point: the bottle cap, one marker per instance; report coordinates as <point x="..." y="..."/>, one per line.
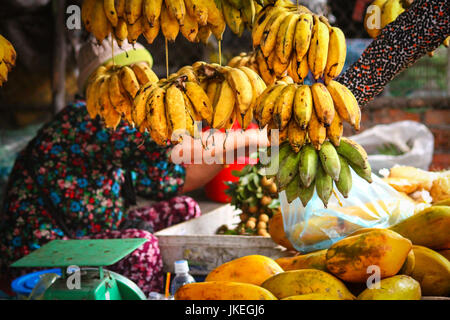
<point x="181" y="266"/>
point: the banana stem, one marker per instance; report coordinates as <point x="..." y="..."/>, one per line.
<point x="220" y="52"/>
<point x="167" y="59"/>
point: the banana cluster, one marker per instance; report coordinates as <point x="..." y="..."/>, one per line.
<point x="305" y="113"/>
<point x="111" y="89"/>
<point x="300" y="173"/>
<point x="7" y="59"/>
<point x="240" y="14"/>
<point x="380" y="13"/>
<point x="290" y="39"/>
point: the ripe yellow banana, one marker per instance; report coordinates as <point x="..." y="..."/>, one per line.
<point x="262" y="21"/>
<point x="144" y="73"/>
<point x="337" y="52"/>
<point x="110" y="11"/>
<point x="303" y="69"/>
<point x="284" y="105"/>
<point x="215" y="17"/>
<point x="267" y="104"/>
<point x="169" y="26"/>
<point x="135" y="30"/>
<point x="190" y="108"/>
<point x="118" y="96"/>
<point x="264" y="70"/>
<point x="248" y="12"/>
<point x="316" y="131"/>
<point x="293" y="67"/>
<point x="121" y="31"/>
<point x="303" y="106"/>
<point x="106" y="110"/>
<point x="390" y="11"/>
<point x="218" y="30"/>
<point x="345" y="103"/>
<point x="233" y="18"/>
<point x="446" y="42"/>
<point x="92" y="92"/>
<point x="372" y="19"/>
<point x="204" y="32"/>
<point x="120" y="8"/>
<point x="138" y="113"/>
<point x="244" y="121"/>
<point x="87" y="11"/>
<point x="100" y="25"/>
<point x="200" y="100"/>
<point x="224" y="105"/>
<point x="318" y="50"/>
<point x="196" y="9"/>
<point x="296" y="136"/>
<point x="151" y="32"/>
<point x="212" y="89"/>
<point x="156" y="116"/>
<point x="189" y="29"/>
<point x="285" y="38"/>
<point x="335" y="130"/>
<point x="242" y="88"/>
<point x="257" y="83"/>
<point x="129" y="81"/>
<point x="279" y="68"/>
<point x="303" y="34"/>
<point x="152" y="10"/>
<point x="269" y="37"/>
<point x="133" y="10"/>
<point x="323" y="103"/>
<point x="9" y="53"/>
<point x="176" y="113"/>
<point x="177" y="10"/>
<point x="231" y="120"/>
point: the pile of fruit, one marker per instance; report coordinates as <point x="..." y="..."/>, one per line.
<point x="409" y="260"/>
<point x="7" y="59"/>
<point x="256" y="197"/>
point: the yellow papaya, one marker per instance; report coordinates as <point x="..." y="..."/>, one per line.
<point x="312" y="296"/>
<point x="362" y="230"/>
<point x="445" y="253"/>
<point x="222" y="290"/>
<point x="429" y="228"/>
<point x="432" y="271"/>
<point x="409" y="265"/>
<point x="254" y="269"/>
<point x="306" y="281"/>
<point x="313" y="260"/>
<point x="400" y="287"/>
<point x="350" y="258"/>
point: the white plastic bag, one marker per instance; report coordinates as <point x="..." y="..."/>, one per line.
<point x="374" y="205"/>
<point x="411" y="137"/>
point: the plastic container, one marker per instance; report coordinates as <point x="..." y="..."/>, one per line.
<point x="25" y="284"/>
<point x="182" y="276"/>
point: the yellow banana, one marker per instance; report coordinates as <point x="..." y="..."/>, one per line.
<point x="169" y="25"/>
<point x="303" y="106"/>
<point x="100" y="25"/>
<point x="190" y="123"/>
<point x="104" y="103"/>
<point x="323" y="103"/>
<point x="224" y="105"/>
<point x="121" y="31"/>
<point x="110" y="11"/>
<point x="190" y="108"/>
<point x="267" y="103"/>
<point x="257" y="83"/>
<point x="245" y="120"/>
<point x="156" y="115"/>
<point x="337" y="52"/>
<point x="152" y="10"/>
<point x="129" y="81"/>
<point x="372" y="19"/>
<point x="284" y="105"/>
<point x="204" y="32"/>
<point x="317" y="133"/>
<point x="303" y="69"/>
<point x="235" y="61"/>
<point x="296" y="136"/>
<point x="279" y="68"/>
<point x="189" y="73"/>
<point x="189" y="29"/>
<point x="212" y="90"/>
<point x="235" y="114"/>
<point x="248" y="12"/>
<point x="446" y="42"/>
<point x="293" y="67"/>
<point x="138" y="113"/>
<point x="196" y="9"/>
<point x="242" y="88"/>
<point x="215" y="17"/>
<point x="262" y="21"/>
<point x="120" y="8"/>
<point x="218" y="30"/>
<point x="233" y="18"/>
<point x="176" y="113"/>
<point x="345" y="103"/>
<point x="200" y="100"/>
<point x="151" y="32"/>
<point x="9" y="53"/>
<point x="270" y="59"/>
<point x="92" y="98"/>
<point x="390" y="11"/>
<point x="176" y="9"/>
<point x="87" y="12"/>
<point x="264" y="70"/>
<point x="270" y="33"/>
<point x="285" y="37"/>
<point x="335" y="130"/>
<point x="133" y="10"/>
<point x="303" y="34"/>
<point x="144" y="73"/>
<point x="118" y="96"/>
<point x="318" y="50"/>
<point x="135" y="30"/>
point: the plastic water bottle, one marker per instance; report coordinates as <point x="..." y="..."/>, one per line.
<point x="182" y="276"/>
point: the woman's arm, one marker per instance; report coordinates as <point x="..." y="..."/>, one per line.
<point x="420" y="29"/>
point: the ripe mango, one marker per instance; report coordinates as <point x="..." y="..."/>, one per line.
<point x="276" y="231"/>
<point x="400" y="287"/>
<point x="312" y="296"/>
<point x="313" y="260"/>
<point x="254" y="269"/>
<point x="222" y="290"/>
<point x="429" y="228"/>
<point x="350" y="258"/>
<point x="409" y="265"/>
<point x="432" y="271"/>
<point x="306" y="281"/>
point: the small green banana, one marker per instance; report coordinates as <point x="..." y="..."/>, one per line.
<point x="288" y="170"/>
<point x="330" y="160"/>
<point x="324" y="185"/>
<point x="365" y="173"/>
<point x="293" y="189"/>
<point x="273" y="166"/>
<point x="306" y="193"/>
<point x="344" y="184"/>
<point x="308" y="164"/>
<point x="353" y="152"/>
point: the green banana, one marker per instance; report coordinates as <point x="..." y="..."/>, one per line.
<point x="306" y="193"/>
<point x="365" y="173"/>
<point x="344" y="184"/>
<point x="330" y="160"/>
<point x="293" y="188"/>
<point x="353" y="152"/>
<point x="308" y="165"/>
<point x="324" y="185"/>
<point x="288" y="170"/>
<point x="277" y="158"/>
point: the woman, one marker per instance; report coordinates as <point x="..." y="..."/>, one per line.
<point x="76" y="179"/>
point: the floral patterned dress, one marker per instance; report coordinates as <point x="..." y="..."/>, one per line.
<point x="73" y="181"/>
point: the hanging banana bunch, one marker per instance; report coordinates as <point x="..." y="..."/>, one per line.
<point x="7" y="59"/>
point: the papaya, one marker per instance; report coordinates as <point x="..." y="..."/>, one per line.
<point x="222" y="290"/>
<point x="400" y="287"/>
<point x="254" y="269"/>
<point x="445" y="253"/>
<point x="277" y="233"/>
<point x="362" y="230"/>
<point x="432" y="271"/>
<point x="409" y="265"/>
<point x="350" y="258"/>
<point x="429" y="228"/>
<point x="313" y="260"/>
<point x="312" y="296"/>
<point x="306" y="281"/>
